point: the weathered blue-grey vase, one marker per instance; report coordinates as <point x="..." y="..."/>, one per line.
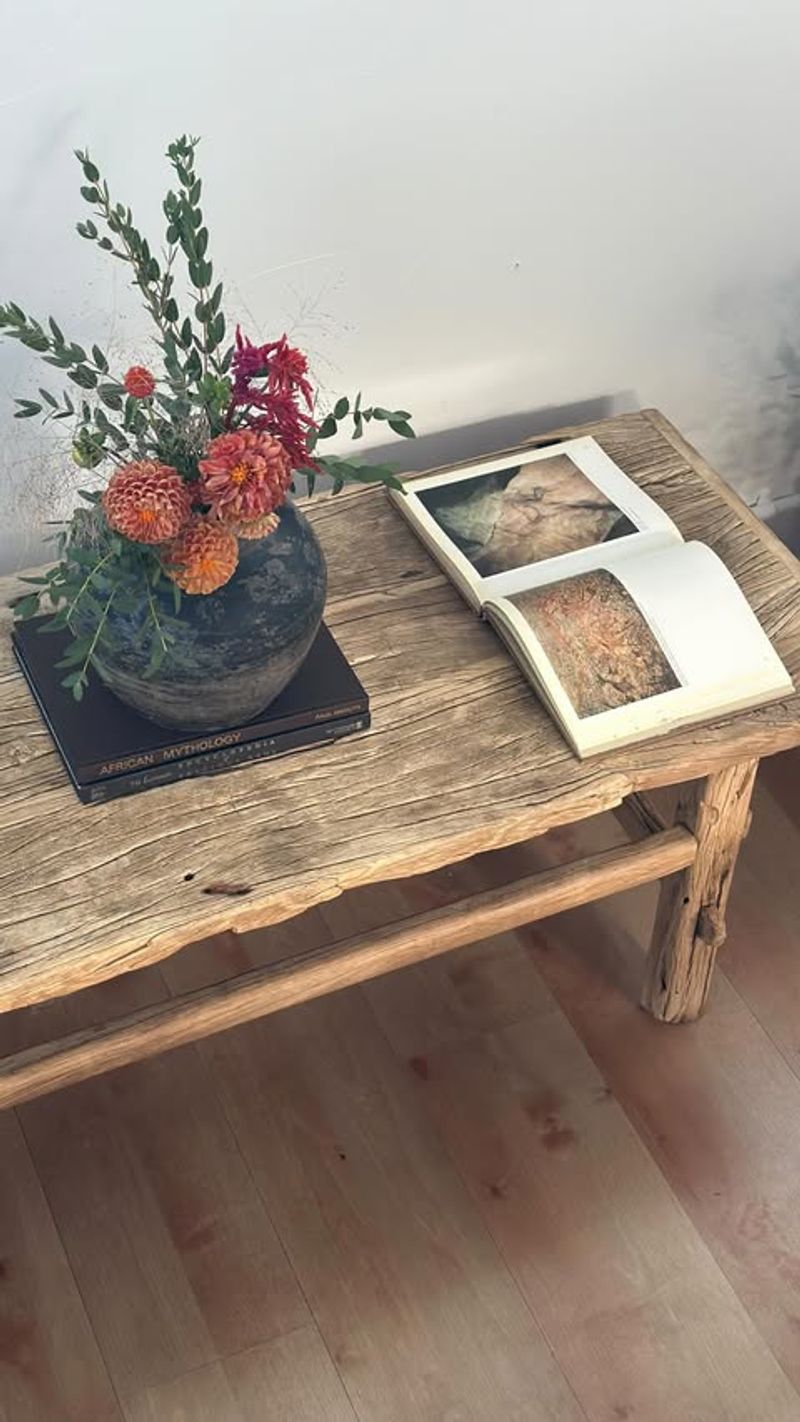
<point x="236" y="648"/>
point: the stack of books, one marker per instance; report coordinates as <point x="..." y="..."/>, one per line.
<point x="108" y="750"/>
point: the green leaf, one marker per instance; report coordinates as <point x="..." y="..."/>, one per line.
<point x="193" y="366"/>
<point x="216" y="332"/>
<point x="35" y="340"/>
<point x="55" y="623"/>
<point x="90" y="193"/>
<point x="48" y="398"/>
<point x="327" y="428"/>
<point x="111" y="395"/>
<point x="27" y="606"/>
<point x="402" y="427"/>
<point x="76" y="652"/>
<point x="358" y="426"/>
<point x="341" y="408"/>
<point x="171" y="309"/>
<point x="157" y="654"/>
<point x="99" y="359"/>
<point x="27" y="409"/>
<point x="57" y="332"/>
<point x="92" y="496"/>
<point x="343" y="470"/>
<point x="83" y="376"/>
<point x="400" y="415"/>
<point x="84" y="557"/>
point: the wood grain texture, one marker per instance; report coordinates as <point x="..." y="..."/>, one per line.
<point x="690" y="921"/>
<point x="501" y="1187"/>
<point x="718" y="1103"/>
<point x="639" y="816"/>
<point x="191" y="1268"/>
<point x="644" y="1324"/>
<point x="51" y="1369"/>
<point x="156" y="1028"/>
<point x="418" y="1312"/>
<point x="86" y="893"/>
<point x="292" y="1377"/>
<point x="289" y="1379"/>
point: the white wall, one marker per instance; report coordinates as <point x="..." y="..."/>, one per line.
<point x="469" y="209"/>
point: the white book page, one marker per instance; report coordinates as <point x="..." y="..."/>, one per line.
<point x="531" y="516"/>
<point x="642" y="645"/>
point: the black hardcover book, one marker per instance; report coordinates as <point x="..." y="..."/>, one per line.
<point x="109" y="750"/>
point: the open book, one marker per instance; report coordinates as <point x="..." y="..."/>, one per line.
<point x="625" y="630"/>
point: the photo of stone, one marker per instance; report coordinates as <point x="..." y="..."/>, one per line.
<point x="524" y="514"/>
<point x="598" y="642"/>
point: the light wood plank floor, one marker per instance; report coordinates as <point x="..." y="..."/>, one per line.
<point x="485" y="1188"/>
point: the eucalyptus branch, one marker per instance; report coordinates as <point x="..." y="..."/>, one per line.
<point x="90" y="576"/>
<point x="89" y="372"/>
<point x="186" y="226"/>
<point x="154" y="285"/>
<point x="81" y="678"/>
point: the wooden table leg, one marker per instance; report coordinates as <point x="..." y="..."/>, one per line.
<point x="690" y="919"/>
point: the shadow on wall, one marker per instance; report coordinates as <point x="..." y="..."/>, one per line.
<point x="503" y="432"/>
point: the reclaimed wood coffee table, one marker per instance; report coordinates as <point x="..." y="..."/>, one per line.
<point x="461" y="758"/>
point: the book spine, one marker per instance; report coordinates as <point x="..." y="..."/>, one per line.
<point x="210" y="742"/>
<point x="216" y="761"/>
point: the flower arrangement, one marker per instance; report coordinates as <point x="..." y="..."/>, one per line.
<point x="203" y="453"/>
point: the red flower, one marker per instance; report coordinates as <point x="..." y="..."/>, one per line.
<point x="139" y="382"/>
<point x="147" y="501"/>
<point x="244" y="475"/>
<point x="202" y="558"/>
<point x="284" y="367"/>
<point x="276" y="402"/>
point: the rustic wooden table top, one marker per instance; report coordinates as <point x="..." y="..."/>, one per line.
<point x="461" y="756"/>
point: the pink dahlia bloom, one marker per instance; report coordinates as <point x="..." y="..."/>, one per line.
<point x="244" y="475"/>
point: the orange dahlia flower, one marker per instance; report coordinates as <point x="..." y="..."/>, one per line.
<point x="244" y="475"/>
<point x="203" y="556"/>
<point x="147" y="501"/>
<point x="139" y="382"/>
